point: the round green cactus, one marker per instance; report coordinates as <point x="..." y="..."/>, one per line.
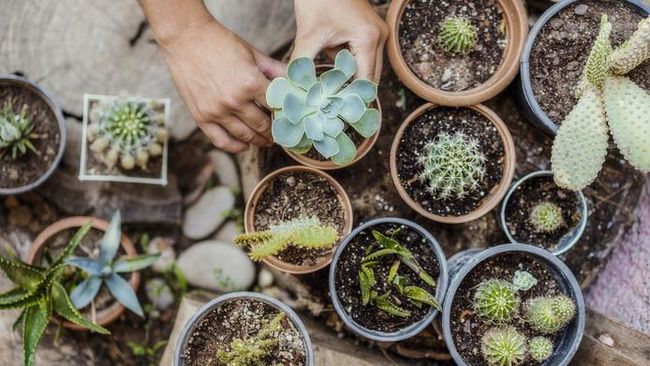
<point x="503" y="346"/>
<point x="496" y="300"/>
<point x="550" y="314"/>
<point x="16" y="132"/>
<point x="452" y="165"/>
<point x="540" y="348"/>
<point x="546" y="217"/>
<point x="457" y="35"/>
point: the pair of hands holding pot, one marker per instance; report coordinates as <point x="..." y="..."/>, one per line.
<point x="223" y="79"/>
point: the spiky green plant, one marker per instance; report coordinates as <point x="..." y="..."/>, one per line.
<point x="39" y="293"/>
<point x="253" y="350"/>
<point x="550" y="314"/>
<point x="540" y="348"/>
<point x="16" y="132"/>
<point x="307" y="233"/>
<point x="546" y="217"/>
<point x="312" y="110"/>
<point x="496" y="300"/>
<point x="457" y="35"/>
<point x="129" y="132"/>
<point x="503" y="346"/>
<point x="605" y="97"/>
<point x="523" y="280"/>
<point x="452" y="166"/>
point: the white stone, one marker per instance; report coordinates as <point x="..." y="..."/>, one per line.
<point x="159" y="293"/>
<point x="164" y="247"/>
<point x="225" y="168"/>
<point x="208" y="213"/>
<point x="228" y="232"/>
<point x="217" y="266"/>
<point x="265" y="278"/>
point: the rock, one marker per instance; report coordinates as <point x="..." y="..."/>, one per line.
<point x="208" y="213"/>
<point x="225" y="168"/>
<point x="265" y="278"/>
<point x="164" y="246"/>
<point x="217" y="266"/>
<point x="228" y="232"/>
<point x="581" y="9"/>
<point x="446" y="75"/>
<point x="159" y="293"/>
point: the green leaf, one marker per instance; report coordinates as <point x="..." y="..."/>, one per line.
<point x="295" y="108"/>
<point x="278" y="90"/>
<point x="85" y="292"/>
<point x="393" y="271"/>
<point x="88" y="265"/>
<point x="347" y="150"/>
<point x="332" y="81"/>
<point x="314" y="126"/>
<point x="23" y="275"/>
<point x="135" y="263"/>
<point x="328" y="147"/>
<point x="345" y="62"/>
<point x="365" y="89"/>
<point x="303" y="146"/>
<point x="382" y="302"/>
<point x="34" y="324"/>
<point x="426" y="277"/>
<point x="123" y="292"/>
<point x="66" y="309"/>
<point x="72" y="245"/>
<point x="18" y="298"/>
<point x="381" y="253"/>
<point x="353" y="108"/>
<point x="420" y="295"/>
<point x="333" y="127"/>
<point x="364" y="286"/>
<point x="315" y="95"/>
<point x="368" y="124"/>
<point x="286" y="133"/>
<point x="110" y="242"/>
<point x="302" y="72"/>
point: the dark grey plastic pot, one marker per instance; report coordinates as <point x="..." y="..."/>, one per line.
<point x="529" y="105"/>
<point x="194" y="321"/>
<point x="570" y="238"/>
<point x="21" y="82"/>
<point x="412" y="329"/>
<point x="464" y="262"/>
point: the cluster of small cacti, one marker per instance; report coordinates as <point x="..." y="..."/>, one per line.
<point x="16" y="132"/>
<point x="457" y="35"/>
<point x="253" y="351"/>
<point x="129" y="132"/>
<point x="606" y="98"/>
<point x="307" y="233"/>
<point x="452" y="166"/>
<point x="311" y="110"/>
<point x="546" y="217"/>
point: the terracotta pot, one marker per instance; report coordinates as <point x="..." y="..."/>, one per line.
<point x="251" y="205"/>
<point x="497" y="192"/>
<point x="363" y="148"/>
<point x="516" y="28"/>
<point x="104" y="316"/>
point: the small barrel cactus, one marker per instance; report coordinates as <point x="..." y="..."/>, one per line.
<point x="540" y="348"/>
<point x="496" y="300"/>
<point x="550" y="314"/>
<point x="452" y="165"/>
<point x="16" y="132"/>
<point x="312" y="110"/>
<point x="457" y="35"/>
<point x="546" y="217"/>
<point x="523" y="280"/>
<point x="503" y="346"/>
<point x="127" y="131"/>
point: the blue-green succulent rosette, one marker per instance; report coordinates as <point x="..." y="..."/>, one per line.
<point x="318" y="111"/>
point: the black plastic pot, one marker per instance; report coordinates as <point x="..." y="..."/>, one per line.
<point x="10" y="79"/>
<point x="462" y="263"/>
<point x="412" y="329"/>
<point x="529" y="105"/>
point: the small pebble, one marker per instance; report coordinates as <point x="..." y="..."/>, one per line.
<point x="581" y="9"/>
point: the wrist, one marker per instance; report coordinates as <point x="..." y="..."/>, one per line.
<point x="171" y="19"/>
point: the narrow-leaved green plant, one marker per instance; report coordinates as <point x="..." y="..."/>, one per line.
<point x="16" y="132"/>
<point x="252" y="351"/>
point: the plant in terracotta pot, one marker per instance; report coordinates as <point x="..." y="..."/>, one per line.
<point x="324" y="120"/>
<point x="294" y="218"/>
<point x="456" y="53"/>
<point x="32" y="135"/>
<point x="242" y="329"/>
<point x="452" y="165"/>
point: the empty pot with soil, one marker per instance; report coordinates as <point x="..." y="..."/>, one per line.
<point x="452" y="165"/>
<point x="536" y="211"/>
<point x="456" y="52"/>
<point x="244" y="328"/>
<point x="294" y="219"/>
<point x="32" y="135"/>
<point x="557" y="49"/>
<point x="388" y="279"/>
<point x="512" y="304"/>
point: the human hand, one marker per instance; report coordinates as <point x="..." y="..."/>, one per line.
<point x="327" y="25"/>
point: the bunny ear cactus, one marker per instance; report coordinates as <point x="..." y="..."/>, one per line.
<point x="633" y="52"/>
<point x="311" y="110"/>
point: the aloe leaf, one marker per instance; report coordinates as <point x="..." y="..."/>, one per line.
<point x="85" y="292"/>
<point x="364" y="286"/>
<point x="393" y="271"/>
<point x="72" y="245"/>
<point x="19" y="321"/>
<point x="365" y="89"/>
<point x="384" y="304"/>
<point x="135" y="263"/>
<point x="12" y="295"/>
<point x="123" y="293"/>
<point x="286" y="133"/>
<point x="22" y="274"/>
<point x="345" y="62"/>
<point x="14" y="299"/>
<point x="353" y="108"/>
<point x="111" y="240"/>
<point x="328" y="147"/>
<point x="420" y="295"/>
<point x="368" y="124"/>
<point x="332" y="81"/>
<point x="302" y="72"/>
<point x="347" y="150"/>
<point x="88" y="265"/>
<point x="34" y="324"/>
<point x="64" y="307"/>
<point x="381" y="253"/>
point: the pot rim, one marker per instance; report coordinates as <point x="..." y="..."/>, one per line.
<point x="570" y="282"/>
<point x="25" y="83"/>
<point x="516" y="19"/>
<point x="569" y="239"/>
<point x="260" y="188"/>
<point x="187" y="329"/>
<point x="413" y="329"/>
<point x="496" y="193"/>
<point x="111" y="313"/>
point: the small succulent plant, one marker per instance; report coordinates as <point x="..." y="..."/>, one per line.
<point x="546" y="217"/>
<point x="457" y="35"/>
<point x="306" y="233"/>
<point x="106" y="269"/>
<point x="39" y="293"/>
<point x="496" y="300"/>
<point x="253" y="351"/>
<point x="129" y="132"/>
<point x="523" y="281"/>
<point x="452" y="166"/>
<point x="606" y="98"/>
<point x="503" y="346"/>
<point x="550" y="314"/>
<point x="312" y="110"/>
<point x="540" y="348"/>
<point x="16" y="132"/>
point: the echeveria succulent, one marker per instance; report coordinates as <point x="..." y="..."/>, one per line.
<point x="315" y="110"/>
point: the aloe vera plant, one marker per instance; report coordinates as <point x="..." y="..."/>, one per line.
<point x="315" y="111"/>
<point x="40" y="294"/>
<point x="16" y="132"/>
<point x="106" y="269"/>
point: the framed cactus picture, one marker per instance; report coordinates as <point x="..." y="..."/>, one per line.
<point x="124" y="139"/>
